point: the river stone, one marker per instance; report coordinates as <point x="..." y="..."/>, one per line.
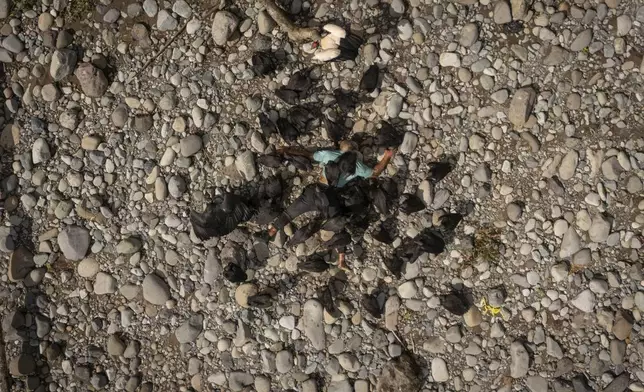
<point x="519" y="360"/>
<point x="155" y="290"/>
<point x="313" y="323"/>
<point x="521" y="106"/>
<point x="224" y="25"/>
<point x="74" y="242"/>
<point x="21" y="264"/>
<point x="190" y="329"/>
<point x="62" y="64"/>
<point x="92" y="80"/>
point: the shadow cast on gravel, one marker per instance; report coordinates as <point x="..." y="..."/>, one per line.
<point x="385" y="20"/>
<point x="25" y="352"/>
<point x="25" y="324"/>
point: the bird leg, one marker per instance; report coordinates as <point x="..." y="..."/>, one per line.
<point x="380" y="166"/>
<point x="295" y="33"/>
<point x="341" y="262"/>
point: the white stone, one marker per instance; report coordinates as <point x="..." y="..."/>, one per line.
<point x="450" y="59"/>
<point x="440" y="373"/>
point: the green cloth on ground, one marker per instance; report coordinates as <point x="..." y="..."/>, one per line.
<point x="325" y="156"/>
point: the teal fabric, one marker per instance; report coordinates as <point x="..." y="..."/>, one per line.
<point x="325" y="156"/>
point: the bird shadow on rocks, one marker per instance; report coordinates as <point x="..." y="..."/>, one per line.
<point x="408" y="372"/>
<point x="25" y="233"/>
<point x="17" y="334"/>
<point x="46" y="351"/>
<point x="385" y="20"/>
<point x="458" y="300"/>
<point x="627" y="315"/>
<point x="527" y="345"/>
<point x="381" y="293"/>
<point x="319" y="381"/>
<point x="422" y="364"/>
<point x="301" y="18"/>
<point x="462" y="208"/>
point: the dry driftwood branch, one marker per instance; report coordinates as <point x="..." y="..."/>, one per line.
<point x="295" y="33"/>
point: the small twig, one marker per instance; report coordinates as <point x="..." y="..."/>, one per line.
<point x="398" y="339"/>
<point x="147" y="64"/>
<point x="295" y="33"/>
<point x="171" y="40"/>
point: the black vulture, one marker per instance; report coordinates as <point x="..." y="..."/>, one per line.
<point x="411" y="204"/>
<point x="270" y="160"/>
<point x="267" y="126"/>
<point x="369" y="80"/>
<point x="221" y="217"/>
<point x="263" y="63"/>
<point x="304" y="233"/>
<point x="234" y="273"/>
<point x="370" y="304"/>
<point x="314" y="263"/>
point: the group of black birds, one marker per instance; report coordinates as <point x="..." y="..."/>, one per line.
<point x="300" y="117"/>
<point x="356" y="207"/>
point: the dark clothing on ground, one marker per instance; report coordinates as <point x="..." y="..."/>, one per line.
<point x="315" y="197"/>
